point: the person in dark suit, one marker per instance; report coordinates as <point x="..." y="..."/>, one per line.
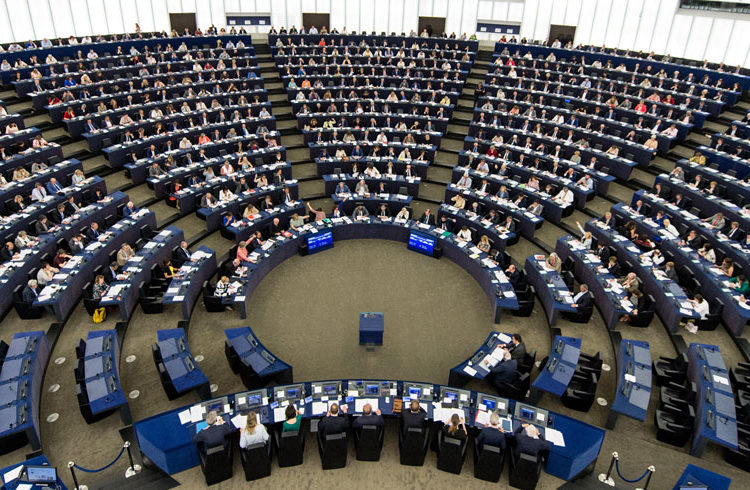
<point x="334" y="422"/>
<point x="93" y="232"/>
<point x="679" y="201"/>
<point x="181" y="255"/>
<point x="517" y="348"/>
<point x="446" y="224"/>
<point x="415" y="416"/>
<point x="602" y="251"/>
<point x="368" y="418"/>
<point x="514" y="275"/>
<point x="110" y="274"/>
<point x="492" y="435"/>
<point x="42" y="226"/>
<point x="529" y="441"/>
<point x="30" y="294"/>
<point x="58" y="215"/>
<point x="214" y="435"/>
<point x="275" y="228"/>
<point x="72" y="206"/>
<point x="505" y="371"/>
<point x="613" y="267"/>
<point x="583" y="298"/>
<point x="427" y="217"/>
<point x="128" y="209"/>
<point x="8" y="251"/>
<point x="76" y="244"/>
<point x="509" y="225"/>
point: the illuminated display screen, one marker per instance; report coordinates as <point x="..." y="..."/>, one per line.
<point x="320" y="241"/>
<point x="421" y="243"/>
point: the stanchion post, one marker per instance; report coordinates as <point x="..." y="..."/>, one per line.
<point x="651" y="470"/>
<point x="71" y="464"/>
<point x="133" y="468"/>
<point x="607" y="479"/>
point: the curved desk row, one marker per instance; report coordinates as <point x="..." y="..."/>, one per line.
<point x="561" y="365"/>
<point x="61" y="171"/>
<point x="349" y="202"/>
<point x="331" y="165"/>
<point x="550" y="287"/>
<point x="671" y="301"/>
<point x="244" y="229"/>
<point x="633" y="381"/>
<point x="715" y="413"/>
<point x="186" y="288"/>
<point x="478" y="366"/>
<point x="392" y="183"/>
<point x="252" y="361"/>
<point x="527" y="223"/>
<point x="499" y="237"/>
<point x="15" y="272"/>
<point x="20" y="389"/>
<point x="154" y="44"/>
<point x="735" y="187"/>
<point x="124" y="293"/>
<point x="713" y="282"/>
<point x="100" y="383"/>
<point x="609" y="296"/>
<point x="178" y="371"/>
<point x="168" y="442"/>
<point x="725" y="161"/>
<point x="485" y="271"/>
<point x="60" y="295"/>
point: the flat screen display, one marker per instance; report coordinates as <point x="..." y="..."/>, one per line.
<point x="41" y="474"/>
<point x="424" y="244"/>
<point x="317" y="242"/>
<point x="415" y="392"/>
<point x="490" y="404"/>
<point x="253" y="400"/>
<point x="527" y="414"/>
<point x="372" y="389"/>
<point x="330" y="390"/>
<point x="292" y="393"/>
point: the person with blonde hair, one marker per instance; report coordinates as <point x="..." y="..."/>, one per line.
<point x="253" y="432"/>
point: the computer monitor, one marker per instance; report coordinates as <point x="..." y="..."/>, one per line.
<point x="249" y="399"/>
<point x="216" y="404"/>
<point x="418" y="391"/>
<point x="493" y="403"/>
<point x="290" y="392"/>
<point x="330" y="389"/>
<point x="41" y="474"/>
<point x="372" y="389"/>
<point x="531" y="414"/>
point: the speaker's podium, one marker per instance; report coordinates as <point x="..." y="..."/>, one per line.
<point x="371" y="327"/>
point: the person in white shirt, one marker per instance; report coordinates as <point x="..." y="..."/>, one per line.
<point x="700" y="306"/>
<point x="464" y="234"/>
<point x="403" y="214"/>
<point x="225" y="195"/>
<point x="39" y="193"/>
<point x="372" y="171"/>
<point x="564" y="197"/>
<point x="362" y="189"/>
<point x="185" y="144"/>
<point x="586" y="182"/>
<point x="223" y="288"/>
<point x="655" y="255"/>
<point x="671" y="131"/>
<point x="669" y="227"/>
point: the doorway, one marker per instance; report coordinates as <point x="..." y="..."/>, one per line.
<point x="180" y="21"/>
<point x="317" y="20"/>
<point x="563" y="33"/>
<point x="435" y="25"/>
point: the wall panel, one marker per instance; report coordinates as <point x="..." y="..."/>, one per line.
<point x="81" y="17"/>
<point x="700" y="31"/>
<point x="615" y="22"/>
<point x="42" y="18"/>
<point x="679" y="34"/>
<point x="114" y="17"/>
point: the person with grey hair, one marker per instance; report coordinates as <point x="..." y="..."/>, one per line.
<point x="30" y="293"/>
<point x="529" y="441"/>
<point x="214" y="434"/>
<point x="492" y="435"/>
<point x="368" y="418"/>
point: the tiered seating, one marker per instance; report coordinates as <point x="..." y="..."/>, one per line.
<point x="372" y="110"/>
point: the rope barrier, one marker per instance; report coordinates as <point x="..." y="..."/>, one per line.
<point x="122" y="450"/>
<point x="617" y="467"/>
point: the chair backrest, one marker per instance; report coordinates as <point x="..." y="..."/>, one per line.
<point x="291" y="448"/>
<point x="488" y="463"/>
<point x="334" y="450"/>
<point x="256" y="461"/>
<point x="450" y="456"/>
<point x="369" y="443"/>
<point x="413" y="446"/>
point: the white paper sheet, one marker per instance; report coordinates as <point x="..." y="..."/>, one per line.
<point x="554" y="436"/>
<point x="184" y="416"/>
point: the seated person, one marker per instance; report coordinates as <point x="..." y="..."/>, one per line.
<point x="368" y="418"/>
<point x="253" y="432"/>
<point x="215" y="434"/>
<point x="492" y="434"/>
<point x="334" y="422"/>
<point x="223" y="287"/>
<point x="529" y="441"/>
<point x="505" y="371"/>
<point x="415" y="416"/>
<point x="456" y="428"/>
<point x="292" y="419"/>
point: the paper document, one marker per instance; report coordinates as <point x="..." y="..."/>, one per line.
<point x="505" y="339"/>
<point x="554" y="436"/>
<point x="184" y="416"/>
<point x="278" y="414"/>
<point x="196" y="413"/>
<point x="470" y="371"/>
<point x="13" y="474"/>
<point x="239" y="420"/>
<point x="319" y="407"/>
<point x="360" y="403"/>
<point x="482" y="418"/>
